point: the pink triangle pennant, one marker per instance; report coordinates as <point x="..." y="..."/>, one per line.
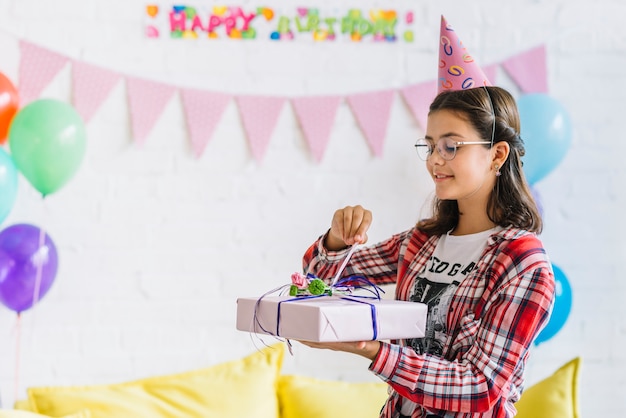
<point x="528" y="70"/>
<point x="92" y="86"/>
<point x="316" y="116"/>
<point x="38" y="66"/>
<point x="491" y="71"/>
<point x="146" y="100"/>
<point x="259" y="115"/>
<point x="203" y="111"/>
<point x="372" y="111"/>
<point x="419" y="97"/>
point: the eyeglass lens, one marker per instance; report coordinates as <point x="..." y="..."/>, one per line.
<point x="446" y="147"/>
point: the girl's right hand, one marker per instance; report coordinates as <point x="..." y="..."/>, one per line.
<point x="349" y="227"/>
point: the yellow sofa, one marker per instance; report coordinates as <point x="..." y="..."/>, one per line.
<point x="252" y="387"/>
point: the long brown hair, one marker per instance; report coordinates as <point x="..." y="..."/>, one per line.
<point x="511" y="202"/>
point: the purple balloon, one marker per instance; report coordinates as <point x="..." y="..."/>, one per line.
<point x="537" y="198"/>
<point x="27" y="266"/>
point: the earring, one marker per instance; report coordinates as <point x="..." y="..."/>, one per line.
<point x="497" y="168"/>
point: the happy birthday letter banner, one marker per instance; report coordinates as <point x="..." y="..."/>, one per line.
<point x="287" y="24"/>
<point x="203" y="109"/>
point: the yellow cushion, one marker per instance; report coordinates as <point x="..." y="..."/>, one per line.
<point x="22" y="405"/>
<point x="554" y="397"/>
<point x="235" y="389"/>
<point x="25" y="414"/>
<point x="305" y="397"/>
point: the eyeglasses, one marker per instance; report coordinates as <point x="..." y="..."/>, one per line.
<point x="446" y="147"/>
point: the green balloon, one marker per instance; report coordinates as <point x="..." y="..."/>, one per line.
<point x="47" y="139"/>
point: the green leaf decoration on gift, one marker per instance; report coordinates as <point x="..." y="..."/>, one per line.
<point x="293" y="290"/>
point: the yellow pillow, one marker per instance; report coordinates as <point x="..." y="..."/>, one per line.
<point x="306" y="397"/>
<point x="235" y="389"/>
<point x="554" y="397"/>
<point x="25" y="414"/>
<point x="22" y="405"/>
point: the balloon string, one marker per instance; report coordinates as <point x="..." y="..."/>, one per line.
<point x="39" y="256"/>
<point x="18" y="338"/>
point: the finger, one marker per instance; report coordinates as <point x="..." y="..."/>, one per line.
<point x="360" y="228"/>
<point x="357" y="218"/>
<point x="362" y="238"/>
<point x="337" y="225"/>
<point x="348" y="215"/>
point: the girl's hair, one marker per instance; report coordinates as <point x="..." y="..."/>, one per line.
<point x="511" y="202"/>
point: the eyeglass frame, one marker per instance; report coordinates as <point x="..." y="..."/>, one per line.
<point x="457" y="143"/>
<point x="432" y="147"/>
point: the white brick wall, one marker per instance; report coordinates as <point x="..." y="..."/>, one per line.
<point x="155" y="245"/>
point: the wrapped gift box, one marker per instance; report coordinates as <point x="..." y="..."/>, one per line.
<point x="331" y="318"/>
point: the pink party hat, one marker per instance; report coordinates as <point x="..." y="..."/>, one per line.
<point x="457" y="68"/>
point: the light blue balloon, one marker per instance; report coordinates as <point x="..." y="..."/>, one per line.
<point x="8" y="184"/>
<point x="547" y="134"/>
<point x="562" y="307"/>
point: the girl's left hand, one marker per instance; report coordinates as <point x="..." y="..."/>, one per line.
<point x="367" y="349"/>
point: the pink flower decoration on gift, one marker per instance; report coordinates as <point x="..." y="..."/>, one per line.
<point x="299" y="280"/>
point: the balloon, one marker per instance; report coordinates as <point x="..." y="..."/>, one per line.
<point x="23" y="263"/>
<point x="547" y="134"/>
<point x="537" y="198"/>
<point x="8" y="184"/>
<point x="47" y="140"/>
<point x="562" y="307"/>
<point x="9" y="103"/>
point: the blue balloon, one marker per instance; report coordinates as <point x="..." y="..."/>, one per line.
<point x="547" y="134"/>
<point x="562" y="306"/>
<point x="8" y="184"/>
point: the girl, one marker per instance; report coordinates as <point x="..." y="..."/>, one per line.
<point x="476" y="262"/>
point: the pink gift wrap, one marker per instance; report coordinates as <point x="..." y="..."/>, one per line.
<point x="331" y="318"/>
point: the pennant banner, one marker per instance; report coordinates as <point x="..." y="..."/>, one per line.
<point x="316" y="116"/>
<point x="418" y="97"/>
<point x="146" y="100"/>
<point x="92" y="86"/>
<point x="372" y="111"/>
<point x="259" y="115"/>
<point x="491" y="71"/>
<point x="203" y="110"/>
<point x="529" y="70"/>
<point x="38" y="67"/>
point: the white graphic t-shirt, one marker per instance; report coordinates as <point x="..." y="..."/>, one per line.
<point x="453" y="259"/>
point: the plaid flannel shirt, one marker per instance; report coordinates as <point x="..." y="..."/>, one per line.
<point x="493" y="318"/>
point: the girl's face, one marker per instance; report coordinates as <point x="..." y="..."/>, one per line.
<point x="469" y="175"/>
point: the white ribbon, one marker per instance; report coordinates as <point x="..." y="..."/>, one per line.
<point x="343" y="265"/>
